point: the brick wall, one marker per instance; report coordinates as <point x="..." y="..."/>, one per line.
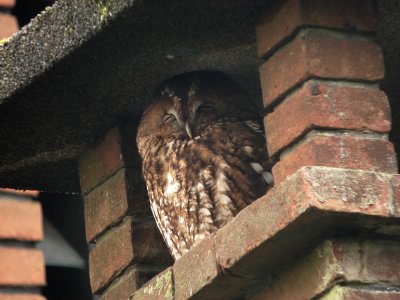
<point x="8" y="22"/>
<point x="22" y="269"/>
<point x="126" y="246"/>
<point x="320" y="81"/>
<point x="329" y="228"/>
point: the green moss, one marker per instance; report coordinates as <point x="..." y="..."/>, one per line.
<point x="68" y="30"/>
<point x="103" y="8"/>
<point x="35" y="27"/>
<point x="5" y="40"/>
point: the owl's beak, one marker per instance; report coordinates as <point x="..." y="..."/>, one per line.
<point x="188" y="130"/>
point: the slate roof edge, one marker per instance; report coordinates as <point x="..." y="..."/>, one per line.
<point x="50" y="36"/>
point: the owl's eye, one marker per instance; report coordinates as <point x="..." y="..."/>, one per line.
<point x="169" y="118"/>
<point x="205" y="108"/>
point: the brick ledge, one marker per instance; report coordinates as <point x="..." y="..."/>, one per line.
<point x="313" y="203"/>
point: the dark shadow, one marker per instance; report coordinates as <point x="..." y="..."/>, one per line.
<point x="25" y="10"/>
<point x="65" y="280"/>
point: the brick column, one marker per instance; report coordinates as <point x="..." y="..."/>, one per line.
<point x="327" y="122"/>
<point x="22" y="268"/>
<point x="126" y="247"/>
<point x="8" y="22"/>
<point x="320" y="87"/>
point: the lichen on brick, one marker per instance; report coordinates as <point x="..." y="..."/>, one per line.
<point x="335" y="293"/>
<point x="161" y="285"/>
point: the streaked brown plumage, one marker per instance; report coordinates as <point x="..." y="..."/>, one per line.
<point x="204" y="156"/>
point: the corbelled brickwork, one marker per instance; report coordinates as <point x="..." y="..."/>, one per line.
<point x="127" y="246"/>
<point x="286" y="18"/>
<point x="335" y="174"/>
<point x="326" y="106"/>
<point x="319" y="82"/>
<point x="21" y="265"/>
<point x="271" y="235"/>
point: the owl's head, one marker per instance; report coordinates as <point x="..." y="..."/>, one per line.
<point x="186" y="104"/>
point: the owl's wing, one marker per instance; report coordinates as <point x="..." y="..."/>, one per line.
<point x="241" y="146"/>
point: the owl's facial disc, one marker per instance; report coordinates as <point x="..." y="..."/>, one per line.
<point x="181" y="126"/>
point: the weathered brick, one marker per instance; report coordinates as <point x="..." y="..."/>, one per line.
<point x="116" y="149"/>
<point x="311" y="189"/>
<point x="7" y="3"/>
<point x="21" y="297"/>
<point x="280" y="21"/>
<point x="396" y="194"/>
<point x="348" y="152"/>
<point x="160" y="287"/>
<point x="8" y="25"/>
<point x="319" y="54"/>
<point x="21" y="267"/>
<point x="354" y="293"/>
<point x="272" y="233"/>
<point x="122" y="194"/>
<point x="326" y="105"/>
<point x="204" y="258"/>
<point x="134" y="241"/>
<point x="336" y="261"/>
<point x="20" y="220"/>
<point x="199" y="268"/>
<point x="128" y="283"/>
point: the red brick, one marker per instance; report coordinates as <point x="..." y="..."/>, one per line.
<point x="20" y="220"/>
<point x="354" y="293"/>
<point x="131" y="242"/>
<point x="122" y="194"/>
<point x="160" y="287"/>
<point x="270" y="234"/>
<point x="396" y="194"/>
<point x="8" y="25"/>
<point x="7" y="3"/>
<point x="131" y="281"/>
<point x="199" y="268"/>
<point x="21" y="297"/>
<point x="285" y="17"/>
<point x="352" y="191"/>
<point x="369" y="260"/>
<point x="326" y="105"/>
<point x="319" y="54"/>
<point x="348" y="152"/>
<point x="336" y="261"/>
<point x="204" y="258"/>
<point x="116" y="149"/>
<point x="21" y="267"/>
<point x="323" y="189"/>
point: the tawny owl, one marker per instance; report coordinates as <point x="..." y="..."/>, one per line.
<point x="204" y="156"/>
